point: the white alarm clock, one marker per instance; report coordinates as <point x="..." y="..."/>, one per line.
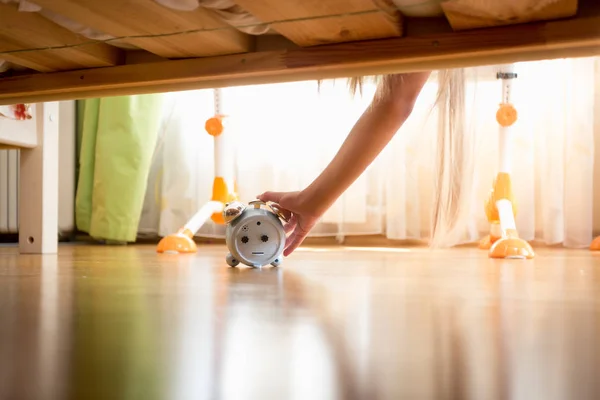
<point x="254" y="234"/>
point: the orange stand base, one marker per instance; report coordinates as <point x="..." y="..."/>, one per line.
<point x="511" y="247"/>
<point x="595" y="245"/>
<point x="180" y="242"/>
<point x="487" y="242"/>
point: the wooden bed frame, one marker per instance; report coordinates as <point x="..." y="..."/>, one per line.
<point x="72" y="49"/>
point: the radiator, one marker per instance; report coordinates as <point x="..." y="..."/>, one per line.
<point x="9" y="185"/>
<point x="9" y="178"/>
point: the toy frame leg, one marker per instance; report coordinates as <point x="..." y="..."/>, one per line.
<point x="495" y="234"/>
<point x="510" y="245"/>
<point x="38" y="185"/>
<point x="183" y="241"/>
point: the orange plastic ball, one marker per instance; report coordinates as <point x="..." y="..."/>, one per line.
<point x="214" y="126"/>
<point x="506" y="115"/>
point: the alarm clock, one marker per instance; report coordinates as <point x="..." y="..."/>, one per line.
<point x="254" y="234"/>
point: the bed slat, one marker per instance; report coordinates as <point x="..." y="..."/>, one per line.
<point x="314" y="22"/>
<point x="135" y="20"/>
<point x="25" y="30"/>
<point x="577" y="37"/>
<point x="474" y="14"/>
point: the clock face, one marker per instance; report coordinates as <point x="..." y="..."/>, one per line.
<point x="256" y="238"/>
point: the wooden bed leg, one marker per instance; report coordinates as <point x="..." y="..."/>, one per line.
<point x="38" y="186"/>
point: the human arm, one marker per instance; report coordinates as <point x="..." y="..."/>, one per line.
<point x="369" y="136"/>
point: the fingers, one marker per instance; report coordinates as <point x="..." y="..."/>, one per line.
<point x="294" y="244"/>
<point x="287" y="214"/>
<point x="293" y="241"/>
<point x="270" y="196"/>
<point x="291" y="225"/>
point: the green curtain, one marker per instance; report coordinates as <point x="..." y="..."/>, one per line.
<point x="116" y="141"/>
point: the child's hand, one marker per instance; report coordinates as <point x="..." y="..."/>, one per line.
<point x="303" y="219"/>
<point x="371" y="133"/>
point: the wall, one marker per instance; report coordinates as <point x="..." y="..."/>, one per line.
<point x="596" y="224"/>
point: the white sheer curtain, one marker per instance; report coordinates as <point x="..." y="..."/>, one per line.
<point x="287" y="133"/>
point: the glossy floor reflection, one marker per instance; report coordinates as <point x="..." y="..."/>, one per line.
<point x="101" y="322"/>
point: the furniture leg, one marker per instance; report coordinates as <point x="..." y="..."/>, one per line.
<point x="38" y="186"/>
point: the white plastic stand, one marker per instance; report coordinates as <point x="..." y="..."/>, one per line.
<point x="223" y="188"/>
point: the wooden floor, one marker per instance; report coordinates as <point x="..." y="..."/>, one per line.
<point x="99" y="322"/>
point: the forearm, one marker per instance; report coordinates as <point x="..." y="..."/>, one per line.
<point x="369" y="136"/>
